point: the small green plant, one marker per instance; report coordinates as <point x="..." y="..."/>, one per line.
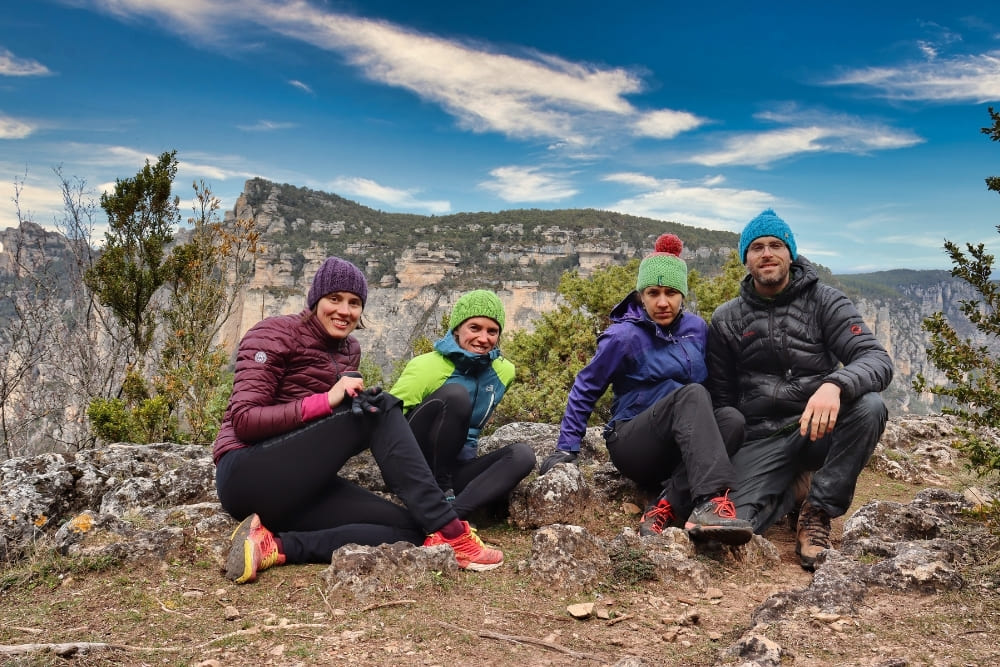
<point x="631" y="566"/>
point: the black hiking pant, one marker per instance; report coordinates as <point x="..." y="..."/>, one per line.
<point x="292" y="482"/>
<point x="441" y="425"/>
<point x="767" y="467"/>
<point x="679" y="446"/>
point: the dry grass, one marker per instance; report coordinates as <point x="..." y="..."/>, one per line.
<point x="183" y="612"/>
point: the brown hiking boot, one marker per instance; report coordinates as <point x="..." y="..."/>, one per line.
<point x="812" y="535"/>
<point x="799" y="489"/>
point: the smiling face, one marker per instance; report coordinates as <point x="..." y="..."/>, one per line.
<point x="478" y="335"/>
<point x="339" y="313"/>
<point x="662" y="304"/>
<point x="768" y="261"/>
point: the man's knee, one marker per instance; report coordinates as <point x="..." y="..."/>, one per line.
<point x="868" y="409"/>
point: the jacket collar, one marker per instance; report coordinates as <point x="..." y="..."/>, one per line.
<point x="448" y="347"/>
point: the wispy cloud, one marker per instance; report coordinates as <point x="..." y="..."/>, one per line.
<point x="525" y="95"/>
<point x="964" y="78"/>
<point x="13" y="128"/>
<point x="805" y="132"/>
<point x="706" y="203"/>
<point x="666" y="124"/>
<point x="370" y="190"/>
<point x="11" y="65"/>
<point x="527" y="184"/>
<point x="266" y="126"/>
<point x="301" y="86"/>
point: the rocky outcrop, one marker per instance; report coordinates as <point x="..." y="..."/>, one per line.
<point x="151" y="502"/>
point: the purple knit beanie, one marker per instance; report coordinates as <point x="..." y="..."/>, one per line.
<point x="337" y="275"/>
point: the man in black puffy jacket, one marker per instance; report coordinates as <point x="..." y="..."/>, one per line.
<point x="795" y="357"/>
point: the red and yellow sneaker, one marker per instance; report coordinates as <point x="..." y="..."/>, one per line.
<point x="470" y="552"/>
<point x="253" y="550"/>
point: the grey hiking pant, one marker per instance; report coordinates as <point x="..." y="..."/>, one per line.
<point x="676" y="447"/>
<point x="766" y="467"/>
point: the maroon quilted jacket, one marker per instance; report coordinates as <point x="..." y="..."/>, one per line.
<point x="281" y="360"/>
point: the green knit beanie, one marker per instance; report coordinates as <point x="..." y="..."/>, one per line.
<point x="664" y="267"/>
<point x="477" y="303"/>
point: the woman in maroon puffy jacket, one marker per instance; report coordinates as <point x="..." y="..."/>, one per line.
<point x="299" y="410"/>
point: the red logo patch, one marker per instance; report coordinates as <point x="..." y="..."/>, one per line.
<point x="856" y="329"/>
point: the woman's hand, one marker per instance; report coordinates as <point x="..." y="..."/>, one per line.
<point x="349" y="384"/>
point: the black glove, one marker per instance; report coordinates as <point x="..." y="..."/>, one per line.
<point x="556" y="458"/>
<point x="368" y="402"/>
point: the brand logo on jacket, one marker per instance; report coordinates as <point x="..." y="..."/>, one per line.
<point x="260" y="357"/>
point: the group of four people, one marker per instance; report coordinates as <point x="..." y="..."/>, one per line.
<point x="718" y="421"/>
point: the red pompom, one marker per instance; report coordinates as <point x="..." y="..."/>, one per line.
<point x="669" y="243"/>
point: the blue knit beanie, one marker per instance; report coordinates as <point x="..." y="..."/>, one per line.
<point x="337" y="275"/>
<point x="766" y="224"/>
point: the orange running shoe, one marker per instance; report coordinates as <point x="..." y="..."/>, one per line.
<point x="470" y="552"/>
<point x="253" y="550"/>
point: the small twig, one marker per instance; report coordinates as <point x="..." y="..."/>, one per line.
<point x="70" y="649"/>
<point x="518" y="639"/>
<point x="391" y="603"/>
<point x="170" y="611"/>
<point x="326" y="601"/>
<point x="257" y="629"/>
<point x="619" y="619"/>
<point x="551" y="617"/>
<point x="30" y="631"/>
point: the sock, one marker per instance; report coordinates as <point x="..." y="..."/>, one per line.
<point x="452" y="529"/>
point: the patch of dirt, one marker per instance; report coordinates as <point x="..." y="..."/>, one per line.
<point x="182" y="612"/>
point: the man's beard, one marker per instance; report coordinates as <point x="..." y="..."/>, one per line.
<point x="769" y="280"/>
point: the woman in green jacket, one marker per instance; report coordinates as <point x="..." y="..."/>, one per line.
<point x="448" y="396"/>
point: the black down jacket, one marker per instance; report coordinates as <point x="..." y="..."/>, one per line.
<point x="766" y="357"/>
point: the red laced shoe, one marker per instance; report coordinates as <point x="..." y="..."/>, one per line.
<point x="715" y="519"/>
<point x="253" y="550"/>
<point x="656" y="518"/>
<point x="470" y="552"/>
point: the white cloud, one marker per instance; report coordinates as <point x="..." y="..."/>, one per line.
<point x="301" y="86"/>
<point x="527" y="184"/>
<point x="808" y="132"/>
<point x="528" y="95"/>
<point x="13" y="128"/>
<point x="11" y="65"/>
<point x="702" y="203"/>
<point x="370" y="190"/>
<point x="965" y="78"/>
<point x="266" y="126"/>
<point x="666" y="124"/>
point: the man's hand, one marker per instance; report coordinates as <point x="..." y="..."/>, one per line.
<point x="820" y="415"/>
<point x="559" y="456"/>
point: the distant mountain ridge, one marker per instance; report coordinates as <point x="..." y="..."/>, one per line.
<point x="418" y="266"/>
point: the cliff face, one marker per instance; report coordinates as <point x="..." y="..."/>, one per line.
<point x="418" y="266"/>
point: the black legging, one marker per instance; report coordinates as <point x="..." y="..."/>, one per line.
<point x="292" y="482"/>
<point x="441" y="425"/>
<point x="676" y="446"/>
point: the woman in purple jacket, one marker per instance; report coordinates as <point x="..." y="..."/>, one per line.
<point x="299" y="410"/>
<point x="663" y="433"/>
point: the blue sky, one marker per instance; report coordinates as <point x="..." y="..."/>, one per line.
<point x="857" y="122"/>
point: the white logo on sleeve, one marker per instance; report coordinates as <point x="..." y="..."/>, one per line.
<point x="260" y="357"/>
